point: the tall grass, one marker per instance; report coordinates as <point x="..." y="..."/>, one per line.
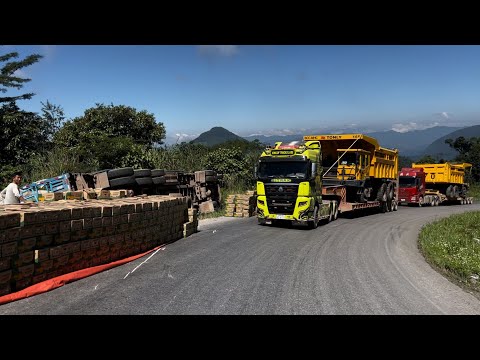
<point x="452" y="245"/>
<point x="474" y="191"/>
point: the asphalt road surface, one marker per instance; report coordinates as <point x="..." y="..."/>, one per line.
<point x="365" y="265"/>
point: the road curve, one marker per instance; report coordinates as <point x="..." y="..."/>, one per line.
<point x="366" y="265"/>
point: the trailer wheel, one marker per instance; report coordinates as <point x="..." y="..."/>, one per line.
<point x="335" y="211"/>
<point x="395" y="205"/>
<point x="420" y="201"/>
<point x="382" y="193"/>
<point x="449" y="191"/>
<point x="313" y="224"/>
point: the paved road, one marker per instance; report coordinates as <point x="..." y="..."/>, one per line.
<point x="367" y="265"/>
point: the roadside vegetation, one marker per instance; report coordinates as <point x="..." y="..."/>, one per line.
<point x="452" y="246"/>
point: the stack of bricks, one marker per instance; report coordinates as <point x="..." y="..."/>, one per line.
<point x="230" y="207"/>
<point x="54" y="238"/>
<point x="241" y="205"/>
<point x="192" y="225"/>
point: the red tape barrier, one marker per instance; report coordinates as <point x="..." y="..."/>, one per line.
<point x="61" y="280"/>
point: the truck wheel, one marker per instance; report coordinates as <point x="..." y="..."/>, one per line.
<point x="335" y="210"/>
<point x="420" y="202"/>
<point x="449" y="191"/>
<point x="123" y="181"/>
<point x="313" y="224"/>
<point x="120" y="173"/>
<point x="144" y="181"/>
<point x="394" y="205"/>
<point x="158" y="180"/>
<point x="382" y="193"/>
<point x="142" y="173"/>
<point x="158" y="173"/>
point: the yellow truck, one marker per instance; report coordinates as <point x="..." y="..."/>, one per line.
<point x="446" y="182"/>
<point x="324" y="176"/>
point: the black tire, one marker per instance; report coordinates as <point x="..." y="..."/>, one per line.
<point x="123" y="181"/>
<point x="210" y="178"/>
<point x="449" y="191"/>
<point x="335" y="212"/>
<point x="144" y="181"/>
<point x="143" y="173"/>
<point x="159" y="180"/>
<point x="209" y="173"/>
<point x="420" y="202"/>
<point x="313" y="224"/>
<point x="157" y="173"/>
<point x="382" y="192"/>
<point x="120" y="173"/>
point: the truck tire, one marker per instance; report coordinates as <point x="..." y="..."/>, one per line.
<point x="143" y="173"/>
<point x="144" y="181"/>
<point x="158" y="180"/>
<point x="335" y="210"/>
<point x="157" y="173"/>
<point x="420" y="201"/>
<point x="449" y="191"/>
<point x="313" y="224"/>
<point x="120" y="173"/>
<point x="123" y="181"/>
<point x="395" y="205"/>
<point x="382" y="192"/>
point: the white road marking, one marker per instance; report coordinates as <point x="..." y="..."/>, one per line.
<point x="143" y="262"/>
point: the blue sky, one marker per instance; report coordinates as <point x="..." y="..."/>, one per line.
<point x="264" y="89"/>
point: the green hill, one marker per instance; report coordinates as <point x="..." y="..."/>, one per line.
<point x="439" y="150"/>
<point x="215" y="136"/>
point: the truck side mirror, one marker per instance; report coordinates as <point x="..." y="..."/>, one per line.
<point x="314" y="170"/>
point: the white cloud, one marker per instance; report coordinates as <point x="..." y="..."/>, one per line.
<point x="222" y="50"/>
<point x="445" y="115"/>
<point x="185" y="137"/>
<point x="410" y="126"/>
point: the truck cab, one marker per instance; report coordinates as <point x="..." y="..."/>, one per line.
<point x="411" y="183"/>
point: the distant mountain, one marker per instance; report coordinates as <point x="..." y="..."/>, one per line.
<point x="412" y="143"/>
<point x="271" y="140"/>
<point x="215" y="136"/>
<point x="438" y="149"/>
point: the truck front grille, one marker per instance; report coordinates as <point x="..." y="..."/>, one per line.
<point x="281" y="198"/>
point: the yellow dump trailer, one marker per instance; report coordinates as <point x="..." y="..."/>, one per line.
<point x="444" y="173"/>
<point x="357" y="161"/>
<point x="447" y="181"/>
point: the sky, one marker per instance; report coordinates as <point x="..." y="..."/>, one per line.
<point x="257" y="89"/>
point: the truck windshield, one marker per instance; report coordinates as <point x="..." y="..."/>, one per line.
<point x="406" y="181"/>
<point x="288" y="169"/>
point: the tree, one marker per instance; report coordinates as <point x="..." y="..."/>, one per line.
<point x="9" y="77"/>
<point x="469" y="151"/>
<point x="54" y="117"/>
<point x="426" y="159"/>
<point x="22" y="135"/>
<point x="404" y="162"/>
<point x="108" y="133"/>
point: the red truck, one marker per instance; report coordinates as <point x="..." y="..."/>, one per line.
<point x="412" y="188"/>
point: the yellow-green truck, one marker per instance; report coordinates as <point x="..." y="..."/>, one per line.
<point x="324" y="176"/>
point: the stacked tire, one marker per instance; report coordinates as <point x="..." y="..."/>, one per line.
<point x="121" y="177"/>
<point x="158" y="176"/>
<point x="143" y="177"/>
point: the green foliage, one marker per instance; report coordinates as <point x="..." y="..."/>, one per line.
<point x="53" y="116"/>
<point x="112" y="135"/>
<point x="404" y="162"/>
<point x="23" y="135"/>
<point x="426" y="159"/>
<point x="232" y="163"/>
<point x="10" y="79"/>
<point x="468" y="151"/>
<point x="53" y="163"/>
<point x="453" y="246"/>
